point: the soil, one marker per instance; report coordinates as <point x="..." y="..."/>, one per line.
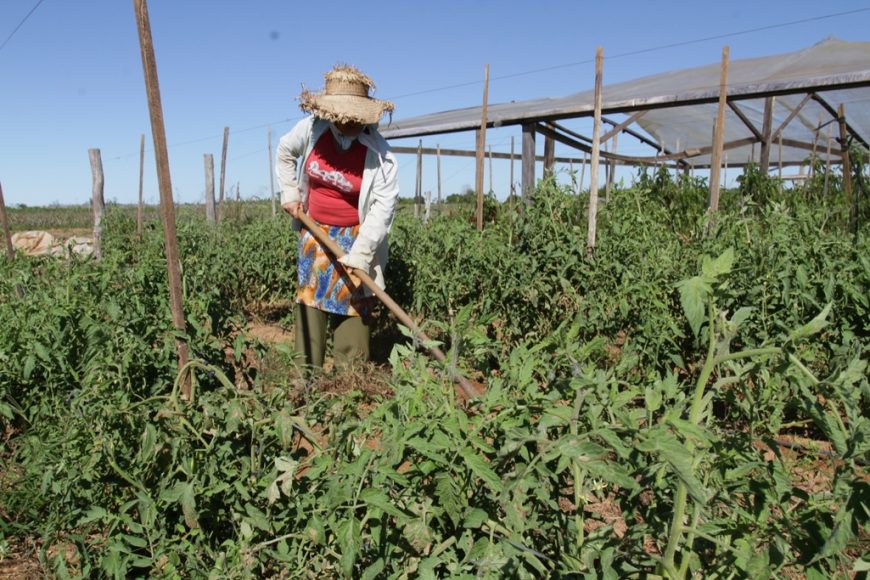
<point x="21" y="562"/>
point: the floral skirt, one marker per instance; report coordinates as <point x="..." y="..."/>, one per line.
<point x="323" y="282"/>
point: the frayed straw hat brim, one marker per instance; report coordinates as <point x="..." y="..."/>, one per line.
<point x="344" y="108"/>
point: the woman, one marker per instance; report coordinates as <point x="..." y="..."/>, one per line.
<point x="347" y="182"/>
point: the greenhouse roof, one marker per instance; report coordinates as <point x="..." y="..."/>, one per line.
<point x="676" y="110"/>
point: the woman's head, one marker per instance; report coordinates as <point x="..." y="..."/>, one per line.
<point x="345" y="100"/>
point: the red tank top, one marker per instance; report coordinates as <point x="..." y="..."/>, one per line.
<point x="334" y="181"/>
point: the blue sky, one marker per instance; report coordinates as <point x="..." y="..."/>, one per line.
<point x="71" y="75"/>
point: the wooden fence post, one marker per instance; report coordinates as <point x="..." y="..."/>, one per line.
<point x="716" y="160"/>
<point x="220" y="215"/>
<point x="140" y="208"/>
<point x="481" y="143"/>
<point x="167" y="207"/>
<point x="208" y="160"/>
<point x="7" y="237"/>
<point x="98" y="204"/>
<point x="596" y="143"/>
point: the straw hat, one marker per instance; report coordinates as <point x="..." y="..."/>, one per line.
<point x="345" y="98"/>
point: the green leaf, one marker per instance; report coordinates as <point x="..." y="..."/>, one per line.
<point x="653" y="398"/>
<point x="721" y="265"/>
<point x="94" y="514"/>
<point x="612" y="473"/>
<point x="349" y="542"/>
<point x="41" y="351"/>
<point x="813" y="326"/>
<point x="135" y="541"/>
<point x="576" y="448"/>
<point x="480" y="467"/>
<point x="29" y="365"/>
<point x="149" y="439"/>
<point x="377" y="498"/>
<point x="448" y="497"/>
<point x="188" y="506"/>
<point x="475" y="518"/>
<point x="693" y="297"/>
<point x="678" y="457"/>
<point x="141" y="562"/>
<point x="257" y="518"/>
<point x="374" y="570"/>
<point x="182" y="493"/>
<point x="740" y="316"/>
<point x="689" y="430"/>
<point x="613" y="440"/>
<point x="839" y="538"/>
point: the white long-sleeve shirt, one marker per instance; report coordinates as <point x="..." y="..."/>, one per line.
<point x="379" y="192"/>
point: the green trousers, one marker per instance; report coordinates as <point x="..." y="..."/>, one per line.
<point x="350" y="340"/>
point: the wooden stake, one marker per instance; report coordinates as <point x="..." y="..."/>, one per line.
<point x="779" y="153"/>
<point x="527" y="176"/>
<point x="208" y="161"/>
<point x="272" y="175"/>
<point x="167" y="207"/>
<point x="815" y="146"/>
<point x="716" y="161"/>
<point x="847" y="167"/>
<point x="828" y="160"/>
<point x="7" y="236"/>
<point x="418" y="191"/>
<point x="549" y="156"/>
<point x="608" y="166"/>
<point x="98" y="203"/>
<point x="766" y="130"/>
<point x="220" y="215"/>
<point x="491" y="186"/>
<point x="611" y="171"/>
<point x="238" y="201"/>
<point x="596" y="143"/>
<point x="512" y="189"/>
<point x="438" y="159"/>
<point x="583" y="171"/>
<point x="481" y="143"/>
<point x="140" y="209"/>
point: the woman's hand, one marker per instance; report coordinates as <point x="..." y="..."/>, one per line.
<point x="292" y="207"/>
<point x="351" y="275"/>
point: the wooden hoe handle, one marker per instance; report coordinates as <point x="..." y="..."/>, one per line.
<point x="468" y="390"/>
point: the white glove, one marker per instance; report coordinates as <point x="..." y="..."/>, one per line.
<point x="355" y="261"/>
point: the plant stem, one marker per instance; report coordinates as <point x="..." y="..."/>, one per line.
<point x="676" y="530"/>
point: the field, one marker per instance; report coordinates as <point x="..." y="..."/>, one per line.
<point x="690" y="400"/>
